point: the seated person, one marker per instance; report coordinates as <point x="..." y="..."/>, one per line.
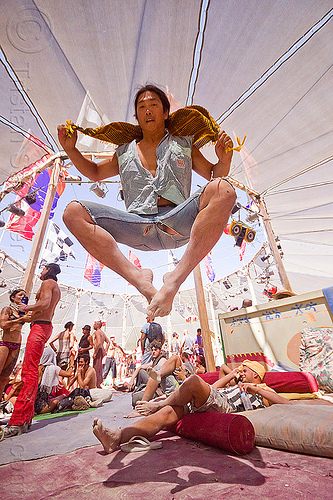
<point x="86" y="375"/>
<point x="165" y="386"/>
<point x="49" y="374"/>
<point x="180" y="367"/>
<point x="200" y="365"/>
<point x="139" y="377"/>
<point x="194" y="395"/>
<point x="188" y="366"/>
<point x="13" y="388"/>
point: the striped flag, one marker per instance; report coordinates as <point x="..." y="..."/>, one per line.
<point x="209" y="267"/>
<point x="58" y="246"/>
<point x="93" y="270"/>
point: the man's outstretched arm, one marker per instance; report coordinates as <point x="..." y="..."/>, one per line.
<point x="94" y="171"/>
<point x="271" y="396"/>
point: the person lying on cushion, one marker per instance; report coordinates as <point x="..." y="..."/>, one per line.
<point x="194" y="395"/>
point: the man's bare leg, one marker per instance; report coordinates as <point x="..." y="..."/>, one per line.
<point x="148" y="394"/>
<point x="216" y="203"/>
<point x="104" y="248"/>
<point x="192" y="389"/>
<point x="169" y="367"/>
<point x="147" y="427"/>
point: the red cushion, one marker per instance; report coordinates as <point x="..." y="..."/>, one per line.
<point x="210" y="377"/>
<point x="291" y="381"/>
<point x="300" y="382"/>
<point x="229" y="431"/>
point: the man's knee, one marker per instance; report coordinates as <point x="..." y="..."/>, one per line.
<point x="192" y="382"/>
<point x="73" y="213"/>
<point x="219" y="190"/>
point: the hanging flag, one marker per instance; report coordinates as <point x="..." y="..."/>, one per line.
<point x="93" y="270"/>
<point x="134" y="259"/>
<point x="242" y="249"/>
<point x="23" y="225"/>
<point x="173" y="258"/>
<point x="209" y="267"/>
<point x="26" y="175"/>
<point x="38" y="184"/>
<point x="58" y="246"/>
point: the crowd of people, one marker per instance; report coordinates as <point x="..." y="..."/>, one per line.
<point x="61" y="370"/>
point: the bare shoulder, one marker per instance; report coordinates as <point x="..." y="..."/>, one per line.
<point x="49" y="285"/>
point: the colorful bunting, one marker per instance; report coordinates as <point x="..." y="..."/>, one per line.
<point x="209" y="267"/>
<point x="93" y="270"/>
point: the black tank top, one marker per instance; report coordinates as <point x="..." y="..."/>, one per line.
<point x="84" y="342"/>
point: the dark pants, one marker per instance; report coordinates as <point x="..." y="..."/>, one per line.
<point x="98" y="365"/>
<point x="110" y="364"/>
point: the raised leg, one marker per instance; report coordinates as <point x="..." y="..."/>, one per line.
<point x="104" y="248"/>
<point x="216" y="203"/>
<point x="166" y="369"/>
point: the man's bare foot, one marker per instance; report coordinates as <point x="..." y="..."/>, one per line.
<point x="161" y="303"/>
<point x="133" y="414"/>
<point x="147" y="407"/>
<point x="110" y="438"/>
<point x="154" y="375"/>
<point x="145" y="284"/>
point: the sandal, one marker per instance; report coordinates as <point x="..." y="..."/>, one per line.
<point x="140" y="443"/>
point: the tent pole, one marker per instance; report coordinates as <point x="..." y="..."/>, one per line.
<point x="79" y="293"/>
<point x="251" y="288"/>
<point x="218" y="350"/>
<point x="272" y="243"/>
<point x="39" y="236"/>
<point x="123" y="337"/>
<point x="269" y="231"/>
<point x="206" y="339"/>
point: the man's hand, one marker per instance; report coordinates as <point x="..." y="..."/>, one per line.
<point x="180" y="374"/>
<point x="248" y="388"/>
<point x="223" y="142"/>
<point x="67" y="143"/>
<point x="234" y="373"/>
